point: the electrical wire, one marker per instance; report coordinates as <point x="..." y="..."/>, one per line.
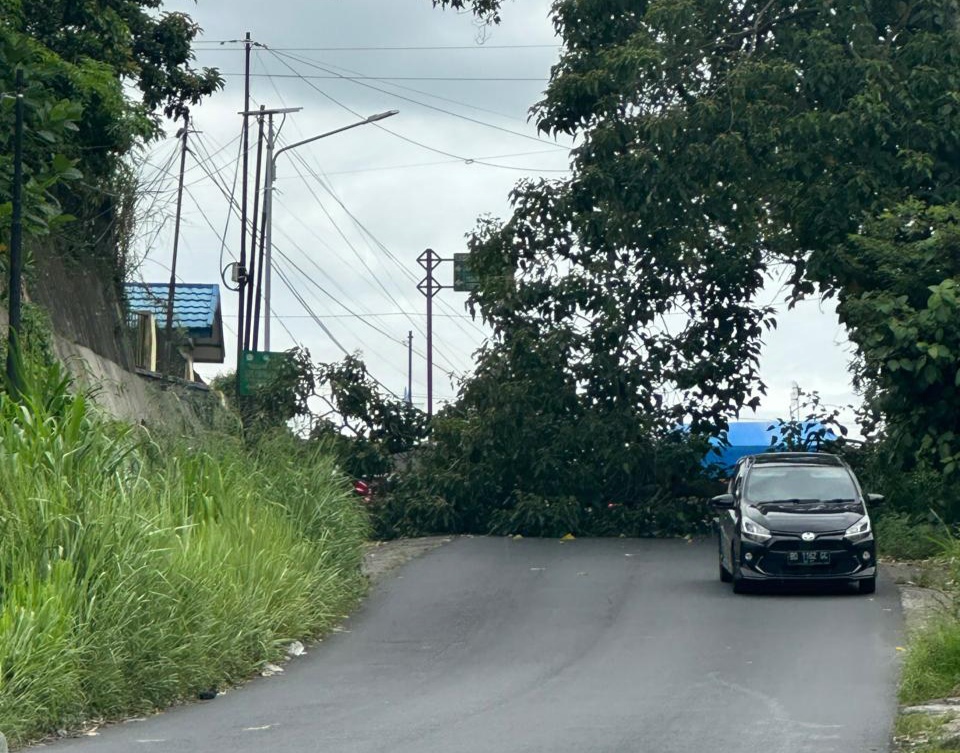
<point x="431" y="48"/>
<point x="360" y="317"/>
<point x="319" y="322"/>
<point x="420" y="144"/>
<point x="368" y="235"/>
<point x="311" y="64"/>
<point x="333" y="75"/>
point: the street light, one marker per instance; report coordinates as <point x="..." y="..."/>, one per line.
<point x="268" y="203"/>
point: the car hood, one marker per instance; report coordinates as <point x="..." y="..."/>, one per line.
<point x="817" y="517"/>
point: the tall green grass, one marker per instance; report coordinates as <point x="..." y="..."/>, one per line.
<point x="932" y="665"/>
<point x="135" y="572"/>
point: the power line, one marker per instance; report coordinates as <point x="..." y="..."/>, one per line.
<point x="467" y="118"/>
<point x="319" y="322"/>
<point x="361" y="316"/>
<point x="405" y="48"/>
<point x="340" y="303"/>
<point x="412" y="165"/>
<point x="426" y="93"/>
<point x="307" y="277"/>
<point x="403" y="268"/>
<point x="334" y="75"/>
<point x="367" y="235"/>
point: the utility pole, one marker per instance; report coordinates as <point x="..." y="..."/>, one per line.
<point x="16" y="245"/>
<point x="242" y="266"/>
<point x="269" y="180"/>
<point x="171" y="290"/>
<point x="429" y="286"/>
<point x="268" y="231"/>
<point x="410" y="368"/>
<point x="266" y="237"/>
<point x="254" y="266"/>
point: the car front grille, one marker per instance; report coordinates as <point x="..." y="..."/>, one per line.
<point x="776" y="563"/>
<point x="825" y="544"/>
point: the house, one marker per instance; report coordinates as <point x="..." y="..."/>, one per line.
<point x="197" y="323"/>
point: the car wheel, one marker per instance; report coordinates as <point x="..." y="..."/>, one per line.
<point x="725" y="576"/>
<point x="868" y="585"/>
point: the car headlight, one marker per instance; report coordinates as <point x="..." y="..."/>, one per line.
<point x="858" y="530"/>
<point x="753" y="531"/>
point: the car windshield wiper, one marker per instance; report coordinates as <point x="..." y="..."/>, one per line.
<point x="838" y="500"/>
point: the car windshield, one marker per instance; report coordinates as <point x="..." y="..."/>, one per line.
<point x="783" y="483"/>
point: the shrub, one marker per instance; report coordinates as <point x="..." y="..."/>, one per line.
<point x="903" y="537"/>
<point x="533" y="515"/>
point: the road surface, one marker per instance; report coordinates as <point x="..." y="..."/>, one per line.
<point x="537" y="646"/>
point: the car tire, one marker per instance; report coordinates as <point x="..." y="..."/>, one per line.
<point x="868" y="585"/>
<point x="725" y="575"/>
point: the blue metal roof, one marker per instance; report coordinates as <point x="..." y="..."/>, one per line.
<point x="195" y="306"/>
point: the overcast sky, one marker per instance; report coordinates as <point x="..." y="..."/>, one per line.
<point x="353" y="211"/>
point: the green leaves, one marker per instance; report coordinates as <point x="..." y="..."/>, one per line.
<point x="47" y="122"/>
<point x="905" y="326"/>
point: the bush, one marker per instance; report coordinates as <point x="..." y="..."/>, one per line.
<point x="532" y="515"/>
<point x="903" y="537"/>
<point x="471" y="478"/>
<point x="136" y="572"/>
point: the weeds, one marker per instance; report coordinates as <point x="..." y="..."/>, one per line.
<point x="134" y="573"/>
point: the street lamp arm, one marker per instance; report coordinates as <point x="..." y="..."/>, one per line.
<point x="371" y="119"/>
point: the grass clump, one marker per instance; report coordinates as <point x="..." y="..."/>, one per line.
<point x="903" y="537"/>
<point x="919" y="733"/>
<point x="932" y="665"/>
<point x="134" y="574"/>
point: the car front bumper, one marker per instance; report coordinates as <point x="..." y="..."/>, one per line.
<point x="776" y="559"/>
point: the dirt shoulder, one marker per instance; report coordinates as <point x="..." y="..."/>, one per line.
<point x="381" y="557"/>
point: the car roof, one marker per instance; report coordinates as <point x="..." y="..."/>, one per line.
<point x="795" y="458"/>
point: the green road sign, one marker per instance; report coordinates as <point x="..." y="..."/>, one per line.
<point x="256" y="369"/>
<point x="464" y="278"/>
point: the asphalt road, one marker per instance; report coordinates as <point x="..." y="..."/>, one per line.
<point x="536" y="646"/>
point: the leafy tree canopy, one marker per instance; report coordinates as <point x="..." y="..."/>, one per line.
<point x="48" y="121"/>
<point x="717" y="138"/>
<point x="137" y="44"/>
<point x="93" y="54"/>
<point x="900" y="300"/>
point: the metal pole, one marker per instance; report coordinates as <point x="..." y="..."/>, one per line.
<point x="16" y="245"/>
<point x="410" y="368"/>
<point x="268" y="234"/>
<point x="430" y="294"/>
<point x="243" y="205"/>
<point x="253" y="235"/>
<point x="171" y="290"/>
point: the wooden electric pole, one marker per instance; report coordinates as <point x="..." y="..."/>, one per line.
<point x="171" y="291"/>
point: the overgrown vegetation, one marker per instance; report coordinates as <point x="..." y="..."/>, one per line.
<point x="137" y="571"/>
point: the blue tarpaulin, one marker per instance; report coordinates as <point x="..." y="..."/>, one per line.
<point x="752" y="437"/>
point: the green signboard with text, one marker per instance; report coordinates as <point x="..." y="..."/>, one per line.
<point x="256" y="369"/>
<point x="464" y="279"/>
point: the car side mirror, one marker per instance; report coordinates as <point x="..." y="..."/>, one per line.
<point x="724" y="501"/>
<point x="875" y="498"/>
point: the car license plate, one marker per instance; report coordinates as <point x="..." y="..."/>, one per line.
<point x="808" y="558"/>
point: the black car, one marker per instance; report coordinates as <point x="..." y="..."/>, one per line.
<point x="795" y="516"/>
